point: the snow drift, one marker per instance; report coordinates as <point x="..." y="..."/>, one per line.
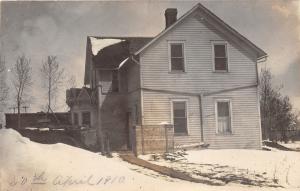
<point x="26" y="165"/>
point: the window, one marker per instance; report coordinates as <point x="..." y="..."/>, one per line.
<point x="180" y="117"/>
<point x="115" y="81"/>
<point x="86" y="118"/>
<point x="177" y="56"/>
<point x="223" y="117"/>
<point x="75" y="118"/>
<point x="220" y="57"/>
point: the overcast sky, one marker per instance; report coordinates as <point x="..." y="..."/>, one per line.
<point x="38" y="29"/>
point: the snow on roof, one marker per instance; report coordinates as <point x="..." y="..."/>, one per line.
<point x="123" y="62"/>
<point x="99" y="44"/>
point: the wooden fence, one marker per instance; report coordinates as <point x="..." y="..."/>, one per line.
<point x="152" y="139"/>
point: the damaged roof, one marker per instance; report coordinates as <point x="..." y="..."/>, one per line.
<point x="109" y="52"/>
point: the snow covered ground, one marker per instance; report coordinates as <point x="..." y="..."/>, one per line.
<point x="25" y="165"/>
<point x="251" y="167"/>
<point x="291" y="145"/>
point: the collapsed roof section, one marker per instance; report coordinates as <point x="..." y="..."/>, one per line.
<point x="100" y="44"/>
<point x="109" y="52"/>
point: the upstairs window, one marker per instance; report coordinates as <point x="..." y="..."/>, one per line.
<point x="177" y="56"/>
<point x="180" y="117"/>
<point x="220" y="57"/>
<point x="86" y="119"/>
<point x="223" y="117"/>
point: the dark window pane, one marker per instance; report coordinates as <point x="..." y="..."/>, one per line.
<point x="220" y="63"/>
<point x="177" y="58"/>
<point x="180" y="125"/>
<point x="220" y="51"/>
<point x="224" y="125"/>
<point x="220" y="57"/>
<point x="179" y="105"/>
<point x="86" y="118"/>
<point x="176" y="50"/>
<point x="179" y="109"/>
<point x="179" y="115"/>
<point x="223" y="109"/>
<point x="177" y="64"/>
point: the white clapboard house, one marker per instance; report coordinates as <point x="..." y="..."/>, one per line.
<point x="198" y="75"/>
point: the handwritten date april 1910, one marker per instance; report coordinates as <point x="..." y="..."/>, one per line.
<point x="62" y="180"/>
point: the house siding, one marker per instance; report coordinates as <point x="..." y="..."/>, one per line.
<point x="199" y="75"/>
<point x="157" y="109"/>
<point x="244" y="117"/>
<point x="198" y="78"/>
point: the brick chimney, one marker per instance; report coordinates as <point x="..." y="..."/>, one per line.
<point x="171" y="16"/>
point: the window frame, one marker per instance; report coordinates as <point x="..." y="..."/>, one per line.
<point x="170" y="58"/>
<point x="230" y="116"/>
<point x="186" y="113"/>
<point x="213" y="43"/>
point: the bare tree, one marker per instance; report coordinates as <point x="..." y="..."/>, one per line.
<point x="3" y="86"/>
<point x="52" y="78"/>
<point x="276" y="110"/>
<point x="266" y="92"/>
<point x="71" y="82"/>
<point x="22" y="81"/>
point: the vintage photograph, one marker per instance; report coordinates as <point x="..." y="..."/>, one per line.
<point x="150" y="95"/>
